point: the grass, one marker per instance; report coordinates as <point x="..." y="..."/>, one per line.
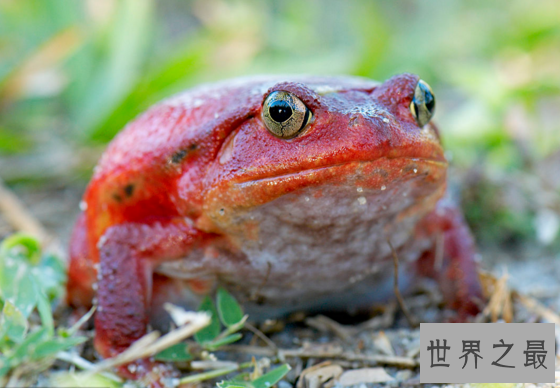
<point x="31" y="339"/>
<point x="78" y="73"/>
<point x="29" y="283"/>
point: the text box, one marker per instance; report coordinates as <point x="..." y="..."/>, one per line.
<point x="487" y="352"/>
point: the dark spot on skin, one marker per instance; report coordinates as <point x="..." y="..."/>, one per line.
<point x="410" y="168"/>
<point x="178" y="156"/>
<point x="128" y="190"/>
<point x="381" y="172"/>
<point x="117" y="197"/>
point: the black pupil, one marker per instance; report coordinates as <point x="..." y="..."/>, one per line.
<point x="430" y="101"/>
<point x="280" y="111"/>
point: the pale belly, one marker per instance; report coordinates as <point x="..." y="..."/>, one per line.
<point x="318" y="249"/>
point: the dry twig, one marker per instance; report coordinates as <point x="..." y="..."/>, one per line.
<point x="503" y="292"/>
<point x="537" y="308"/>
<point x="260" y="335"/>
<point x="500" y="300"/>
<point x="367" y="359"/>
<point x="322" y="323"/>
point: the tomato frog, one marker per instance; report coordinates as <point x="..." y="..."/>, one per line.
<point x="288" y="191"/>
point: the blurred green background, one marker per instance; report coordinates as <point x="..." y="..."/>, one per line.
<point x="72" y="73"/>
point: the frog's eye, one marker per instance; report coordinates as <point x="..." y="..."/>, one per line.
<point x="285" y="115"/>
<point x="423" y="103"/>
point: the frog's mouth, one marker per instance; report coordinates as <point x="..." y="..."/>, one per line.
<point x="362" y="169"/>
<point x="366" y="182"/>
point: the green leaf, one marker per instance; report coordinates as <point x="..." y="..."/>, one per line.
<point x="53" y="346"/>
<point x="228" y="308"/>
<point x="24" y="348"/>
<point x="45" y="312"/>
<point x="12" y="141"/>
<point x="177" y="352"/>
<point x="81" y="380"/>
<point x="30" y="245"/>
<point x="269" y="379"/>
<point x="213" y="329"/>
<point x="241" y="377"/>
<point x="51" y="276"/>
<point x="13" y="324"/>
<point x="23" y="289"/>
<point x="4" y="366"/>
<point x="233" y="384"/>
<point x="214" y="345"/>
<point x="17" y="284"/>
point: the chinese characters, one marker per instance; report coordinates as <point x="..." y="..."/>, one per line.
<point x="535" y="353"/>
<point x="487" y="353"/>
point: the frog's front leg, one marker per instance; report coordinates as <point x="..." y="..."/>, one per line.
<point x="451" y="260"/>
<point x="128" y="254"/>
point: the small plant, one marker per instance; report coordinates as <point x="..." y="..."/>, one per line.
<point x="30" y="283"/>
<point x="227" y="319"/>
<point x="213" y="336"/>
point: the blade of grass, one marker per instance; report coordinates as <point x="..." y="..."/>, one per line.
<point x="121" y="66"/>
<point x="213" y="374"/>
<point x="175" y="73"/>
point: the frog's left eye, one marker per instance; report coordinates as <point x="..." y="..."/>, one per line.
<point x="285" y="115"/>
<point x="423" y="103"/>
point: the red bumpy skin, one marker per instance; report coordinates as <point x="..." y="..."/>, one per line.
<point x="197" y="192"/>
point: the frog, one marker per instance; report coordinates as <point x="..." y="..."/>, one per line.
<point x="292" y="192"/>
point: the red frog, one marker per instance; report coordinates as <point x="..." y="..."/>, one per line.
<point x="284" y="190"/>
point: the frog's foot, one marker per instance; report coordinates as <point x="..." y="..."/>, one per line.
<point x="149" y="373"/>
<point x="128" y="253"/>
<point x="451" y="260"/>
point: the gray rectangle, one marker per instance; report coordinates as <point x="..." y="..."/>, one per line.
<point x="449" y="352"/>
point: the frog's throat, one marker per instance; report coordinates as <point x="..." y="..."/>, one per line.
<point x="367" y="179"/>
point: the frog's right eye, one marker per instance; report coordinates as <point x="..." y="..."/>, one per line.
<point x="423" y="103"/>
<point x="285" y="115"/>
